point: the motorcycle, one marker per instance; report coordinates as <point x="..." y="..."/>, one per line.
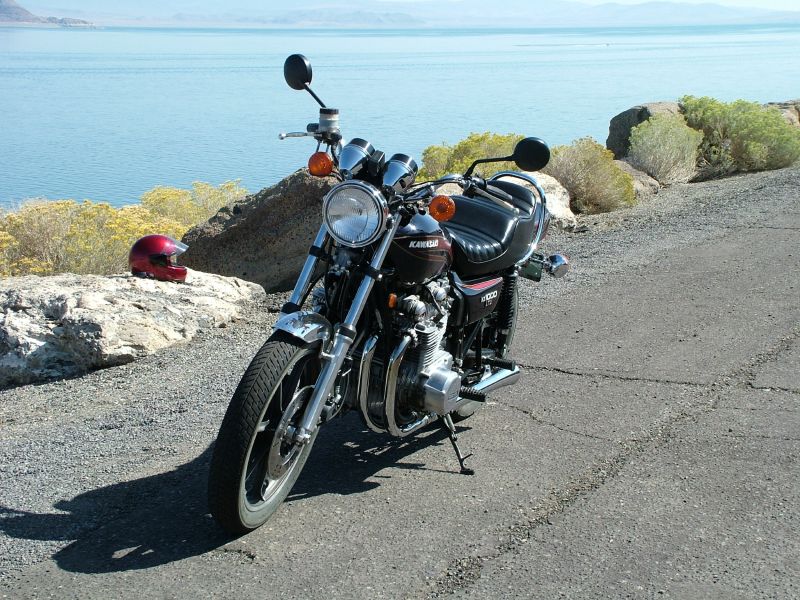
<point x="404" y="311"/>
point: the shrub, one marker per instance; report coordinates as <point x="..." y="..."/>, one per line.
<point x="47" y="237"/>
<point x="666" y="147"/>
<point x="595" y="183"/>
<point x="194" y="206"/>
<point x="741" y="136"/>
<point x="438" y="161"/>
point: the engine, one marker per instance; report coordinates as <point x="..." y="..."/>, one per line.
<point x="426" y="380"/>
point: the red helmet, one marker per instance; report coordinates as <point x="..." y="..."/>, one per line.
<point x="154" y="256"/>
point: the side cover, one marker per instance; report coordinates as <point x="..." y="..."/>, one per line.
<point x="477" y="297"/>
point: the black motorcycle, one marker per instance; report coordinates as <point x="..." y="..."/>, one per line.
<point x="404" y="311"/>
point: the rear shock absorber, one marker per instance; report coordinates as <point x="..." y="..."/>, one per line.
<point x="506" y="312"/>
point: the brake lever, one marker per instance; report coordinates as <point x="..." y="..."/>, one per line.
<point x="295" y="134"/>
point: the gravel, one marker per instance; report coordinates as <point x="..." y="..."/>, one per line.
<point x="62" y="441"/>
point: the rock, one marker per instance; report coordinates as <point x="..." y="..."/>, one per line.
<point x="790" y="110"/>
<point x="265" y="237"/>
<point x="557" y="198"/>
<point x="66" y="325"/>
<point x="619" y="131"/>
<point x="644" y="185"/>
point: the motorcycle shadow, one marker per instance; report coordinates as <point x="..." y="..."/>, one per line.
<point x="347" y="458"/>
<point x="163" y="518"/>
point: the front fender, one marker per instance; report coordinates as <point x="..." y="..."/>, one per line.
<point x="306" y="326"/>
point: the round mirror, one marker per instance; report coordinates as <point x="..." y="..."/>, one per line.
<point x="297" y="71"/>
<point x="531" y="154"/>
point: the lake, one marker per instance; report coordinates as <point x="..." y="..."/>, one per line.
<point x="107" y="114"/>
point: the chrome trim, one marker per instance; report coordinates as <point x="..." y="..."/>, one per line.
<point x="525" y="177"/>
<point x="390" y="392"/>
<point x="363" y="382"/>
<point x="332" y="362"/>
<point x="557" y="265"/>
<point x="306" y="326"/>
<point x="300" y="288"/>
<point x="540" y="231"/>
<point x="380" y="202"/>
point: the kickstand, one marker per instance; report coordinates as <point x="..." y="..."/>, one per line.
<point x="447" y="425"/>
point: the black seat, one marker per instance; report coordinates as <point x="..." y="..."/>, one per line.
<point x="489" y="237"/>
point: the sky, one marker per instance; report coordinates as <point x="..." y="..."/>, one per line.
<point x="232" y="5"/>
<point x="769" y="4"/>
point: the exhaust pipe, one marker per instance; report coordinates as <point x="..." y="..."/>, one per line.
<point x="501" y="378"/>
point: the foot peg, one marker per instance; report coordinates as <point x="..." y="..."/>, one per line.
<point x="447" y="424"/>
<point x="468" y="393"/>
<point x="501" y="363"/>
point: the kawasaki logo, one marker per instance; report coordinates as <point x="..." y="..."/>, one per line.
<point x="424" y="244"/>
<point x="489" y="297"/>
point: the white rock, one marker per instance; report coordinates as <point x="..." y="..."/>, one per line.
<point x="65" y="325"/>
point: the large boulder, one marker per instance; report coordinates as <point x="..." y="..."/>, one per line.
<point x="644" y="185"/>
<point x="66" y="325"/>
<point x="265" y="237"/>
<point x="619" y="131"/>
<point x="790" y="110"/>
<point x="557" y="198"/>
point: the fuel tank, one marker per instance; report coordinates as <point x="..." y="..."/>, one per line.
<point x="420" y="251"/>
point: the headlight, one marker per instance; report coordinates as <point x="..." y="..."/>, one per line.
<point x="355" y="213"/>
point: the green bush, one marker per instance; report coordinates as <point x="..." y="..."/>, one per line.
<point x="595" y="183"/>
<point x="666" y="147"/>
<point x="741" y="136"/>
<point x="438" y="161"/>
<point x="46" y="237"/>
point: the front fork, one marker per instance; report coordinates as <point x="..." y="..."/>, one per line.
<point x="345" y="335"/>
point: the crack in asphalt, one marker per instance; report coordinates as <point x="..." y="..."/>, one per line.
<point x="463" y="573"/>
<point x="760" y="437"/>
<point x="539" y="421"/>
<point x="611" y="376"/>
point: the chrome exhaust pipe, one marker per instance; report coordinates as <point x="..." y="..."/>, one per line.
<point x="389" y="393"/>
<point x="501" y="378"/>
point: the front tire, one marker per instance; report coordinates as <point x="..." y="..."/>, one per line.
<point x="255" y="463"/>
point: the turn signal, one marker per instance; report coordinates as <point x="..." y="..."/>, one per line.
<point x="320" y="164"/>
<point x="442" y="208"/>
<point x="392" y="303"/>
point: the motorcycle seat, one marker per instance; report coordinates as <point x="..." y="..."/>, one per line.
<point x="488" y="237"/>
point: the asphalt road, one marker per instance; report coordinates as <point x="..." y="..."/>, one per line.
<point x="651" y="450"/>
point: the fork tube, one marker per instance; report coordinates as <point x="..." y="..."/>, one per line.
<point x="345" y="335"/>
<point x="301" y="287"/>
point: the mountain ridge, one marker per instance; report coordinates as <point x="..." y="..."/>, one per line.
<point x="13" y="13"/>
<point x="420" y="13"/>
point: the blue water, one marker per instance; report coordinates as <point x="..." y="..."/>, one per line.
<point x="108" y="114"/>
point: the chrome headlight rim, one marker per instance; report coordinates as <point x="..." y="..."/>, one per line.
<point x="381" y="206"/>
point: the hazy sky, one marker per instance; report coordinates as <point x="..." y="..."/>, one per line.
<point x="232" y="5"/>
<point x="774" y="4"/>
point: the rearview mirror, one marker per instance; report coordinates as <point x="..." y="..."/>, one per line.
<point x="297" y="71"/>
<point x="531" y="154"/>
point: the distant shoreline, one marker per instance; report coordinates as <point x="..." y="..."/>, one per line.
<point x="422" y="29"/>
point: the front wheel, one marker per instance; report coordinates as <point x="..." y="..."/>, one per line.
<point x="255" y="462"/>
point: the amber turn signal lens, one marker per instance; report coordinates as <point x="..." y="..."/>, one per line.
<point x="320" y="164"/>
<point x="392" y="303"/>
<point x="442" y="208"/>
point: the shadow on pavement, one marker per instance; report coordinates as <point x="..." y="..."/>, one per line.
<point x="163" y="518"/>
